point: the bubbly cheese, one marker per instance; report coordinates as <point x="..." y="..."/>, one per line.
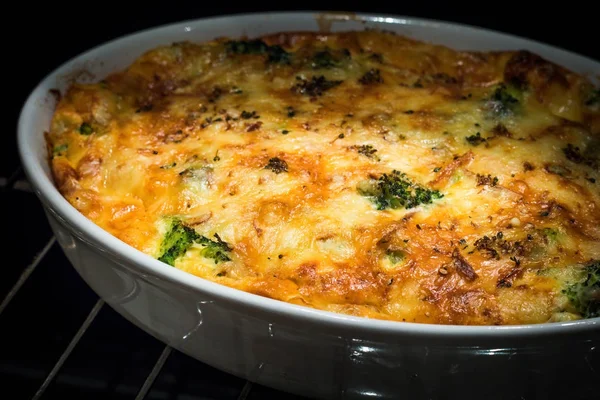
<point x="359" y="172"/>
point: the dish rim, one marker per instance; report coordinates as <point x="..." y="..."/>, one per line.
<point x="100" y="239"/>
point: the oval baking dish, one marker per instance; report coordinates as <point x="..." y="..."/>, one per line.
<point x="289" y="347"/>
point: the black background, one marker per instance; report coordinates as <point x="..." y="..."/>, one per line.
<point x="39" y="37"/>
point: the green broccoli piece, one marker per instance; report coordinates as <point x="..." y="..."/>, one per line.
<point x="60" y="150"/>
<point x="275" y="54"/>
<point x="503" y="102"/>
<point x="395" y="256"/>
<point x="551" y="234"/>
<point x="396" y="190"/>
<point x="594" y="98"/>
<point x="323" y="59"/>
<point x="328" y="58"/>
<point x="86" y="129"/>
<point x="177" y="241"/>
<point x="314" y="87"/>
<point x="215" y="249"/>
<point x="584" y="295"/>
<point x="371" y="77"/>
<point x="246" y="46"/>
<point x="180" y="238"/>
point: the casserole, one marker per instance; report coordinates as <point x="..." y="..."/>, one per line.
<point x="325" y="354"/>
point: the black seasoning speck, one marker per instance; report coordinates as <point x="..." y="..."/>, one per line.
<point x="277" y="165"/>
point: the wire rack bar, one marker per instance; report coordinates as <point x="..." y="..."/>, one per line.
<point x="245" y="391"/>
<point x="90" y="318"/>
<point x="26" y="273"/>
<point x="154" y="373"/>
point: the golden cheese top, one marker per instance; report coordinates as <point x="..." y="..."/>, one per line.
<point x="359" y="172"/>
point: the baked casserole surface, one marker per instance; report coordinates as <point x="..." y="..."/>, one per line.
<point x="362" y="173"/>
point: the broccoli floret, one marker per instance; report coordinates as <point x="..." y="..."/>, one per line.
<point x="177" y="241"/>
<point x="328" y="58"/>
<point x="314" y="87"/>
<point x="584" y="295"/>
<point x="594" y="98"/>
<point x="395" y="256"/>
<point x="503" y="102"/>
<point x="180" y="238"/>
<point x="371" y="77"/>
<point x="246" y="46"/>
<point x="396" y="190"/>
<point x="275" y="54"/>
<point x="215" y="249"/>
<point x="60" y="150"/>
<point x="551" y="234"/>
<point x="323" y="59"/>
<point x="86" y="129"/>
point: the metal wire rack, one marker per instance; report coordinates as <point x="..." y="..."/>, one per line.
<point x="61" y="340"/>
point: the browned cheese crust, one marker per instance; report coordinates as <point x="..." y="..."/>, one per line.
<point x="285" y="149"/>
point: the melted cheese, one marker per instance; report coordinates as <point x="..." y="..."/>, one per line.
<point x="189" y="131"/>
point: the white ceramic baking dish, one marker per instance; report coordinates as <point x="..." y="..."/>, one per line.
<point x="289" y="347"/>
